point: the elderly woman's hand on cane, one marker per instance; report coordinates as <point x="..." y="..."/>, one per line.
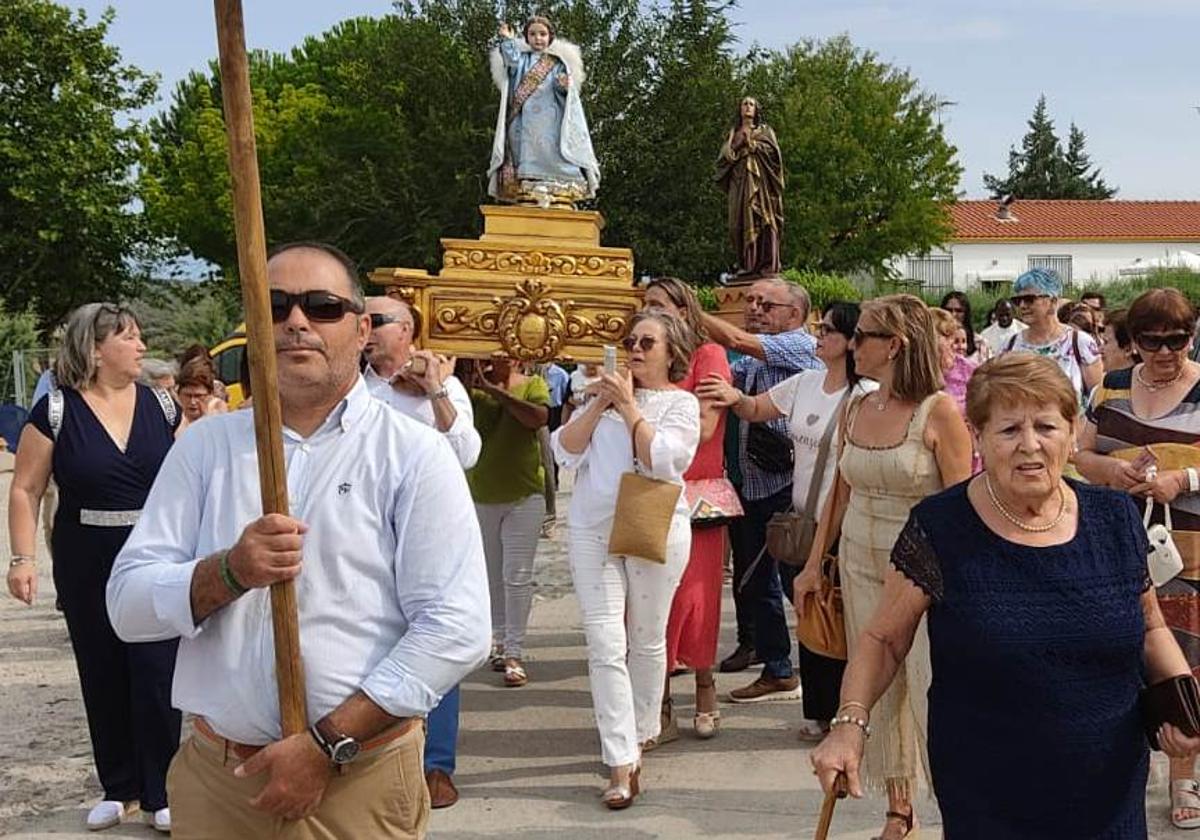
<point x="840" y="752"/>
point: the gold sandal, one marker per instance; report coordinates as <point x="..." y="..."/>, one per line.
<point x="620" y="797"/>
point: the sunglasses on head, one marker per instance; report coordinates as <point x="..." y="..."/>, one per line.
<point x="646" y="342"/>
<point x="318" y="305"/>
<point x="1026" y="300"/>
<point x="378" y="320"/>
<point x="1173" y="342"/>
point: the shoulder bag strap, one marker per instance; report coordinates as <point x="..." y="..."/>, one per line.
<point x="814" y="485"/>
<point x="1012" y="342"/>
<point x="55" y="408"/>
<point x="167" y="404"/>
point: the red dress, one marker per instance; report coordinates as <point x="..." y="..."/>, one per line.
<point x="695" y="620"/>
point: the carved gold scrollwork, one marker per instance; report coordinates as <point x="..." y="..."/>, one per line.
<point x="537" y="263"/>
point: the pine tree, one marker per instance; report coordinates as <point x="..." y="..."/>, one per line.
<point x="1082" y="180"/>
<point x="1042" y="170"/>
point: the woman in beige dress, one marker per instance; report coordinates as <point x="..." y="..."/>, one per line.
<point x="901" y="443"/>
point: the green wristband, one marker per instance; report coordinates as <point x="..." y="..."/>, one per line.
<point x="231" y="583"/>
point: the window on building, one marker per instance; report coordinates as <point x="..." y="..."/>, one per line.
<point x="1060" y="264"/>
<point x="935" y="272"/>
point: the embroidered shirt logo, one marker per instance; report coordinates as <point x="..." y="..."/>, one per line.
<point x="343" y="489"/>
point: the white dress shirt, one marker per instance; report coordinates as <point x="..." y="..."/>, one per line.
<point x="393" y="596"/>
<point x="461" y="435"/>
<point x="675" y="416"/>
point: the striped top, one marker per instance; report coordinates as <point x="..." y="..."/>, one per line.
<point x="1118" y="427"/>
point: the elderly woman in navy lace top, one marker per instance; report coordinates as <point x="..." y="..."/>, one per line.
<point x="1042" y="626"/>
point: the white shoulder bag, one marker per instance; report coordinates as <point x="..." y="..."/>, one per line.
<point x="1164" y="561"/>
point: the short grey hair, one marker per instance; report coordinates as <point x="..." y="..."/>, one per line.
<point x="797" y="294"/>
<point x="156" y="369"/>
<point x="88" y="327"/>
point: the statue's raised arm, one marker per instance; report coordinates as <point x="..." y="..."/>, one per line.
<point x="750" y="171"/>
<point x="542" y="153"/>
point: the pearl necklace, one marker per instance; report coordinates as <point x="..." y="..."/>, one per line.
<point x="1157" y="386"/>
<point x="1021" y="523"/>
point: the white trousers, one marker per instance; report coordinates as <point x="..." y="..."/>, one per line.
<point x="625" y="604"/>
<point x="510" y="539"/>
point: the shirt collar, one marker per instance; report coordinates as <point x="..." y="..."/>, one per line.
<point x="345" y="414"/>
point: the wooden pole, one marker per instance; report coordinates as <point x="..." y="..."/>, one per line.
<point x="260" y="342"/>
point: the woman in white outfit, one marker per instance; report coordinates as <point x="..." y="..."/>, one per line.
<point x="625" y="601"/>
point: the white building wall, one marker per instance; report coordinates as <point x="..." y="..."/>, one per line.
<point x="1091" y="262"/>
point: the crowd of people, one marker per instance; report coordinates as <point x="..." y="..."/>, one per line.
<point x="982" y="500"/>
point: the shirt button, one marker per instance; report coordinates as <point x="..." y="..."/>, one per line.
<point x="304" y="447"/>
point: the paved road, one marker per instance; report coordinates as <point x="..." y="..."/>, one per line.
<point x="529" y="758"/>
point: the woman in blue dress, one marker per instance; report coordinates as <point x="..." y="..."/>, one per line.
<point x="542" y="150"/>
<point x="1042" y="627"/>
<point x="102" y="437"/>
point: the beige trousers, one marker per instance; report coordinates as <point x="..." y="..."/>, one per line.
<point x="381" y="794"/>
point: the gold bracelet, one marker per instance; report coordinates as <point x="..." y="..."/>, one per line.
<point x="853" y="704"/>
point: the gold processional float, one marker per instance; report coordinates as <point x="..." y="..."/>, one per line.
<point x="538" y="285"/>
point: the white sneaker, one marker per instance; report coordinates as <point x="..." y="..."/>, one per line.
<point x="106" y="814"/>
<point x="160" y="819"/>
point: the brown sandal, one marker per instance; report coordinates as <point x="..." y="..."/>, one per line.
<point x="909" y="820"/>
<point x="514" y="673"/>
<point x="620" y="797"/>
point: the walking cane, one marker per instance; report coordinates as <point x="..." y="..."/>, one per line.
<point x="838" y="791"/>
<point x="260" y="342"/>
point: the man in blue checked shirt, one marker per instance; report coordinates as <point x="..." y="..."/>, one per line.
<point x="775" y="345"/>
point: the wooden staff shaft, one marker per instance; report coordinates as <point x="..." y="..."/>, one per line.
<point x="260" y="341"/>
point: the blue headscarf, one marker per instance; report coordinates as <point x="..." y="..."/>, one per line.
<point x="1039" y="281"/>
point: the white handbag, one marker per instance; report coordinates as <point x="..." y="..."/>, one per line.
<point x="1164" y="560"/>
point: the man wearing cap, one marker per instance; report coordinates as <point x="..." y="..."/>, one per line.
<point x="1035" y="295"/>
<point x="391" y="589"/>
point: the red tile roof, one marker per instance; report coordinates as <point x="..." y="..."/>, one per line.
<point x="1158" y="221"/>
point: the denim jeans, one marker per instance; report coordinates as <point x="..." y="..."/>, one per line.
<point x="761" y="592"/>
<point x="441" y="735"/>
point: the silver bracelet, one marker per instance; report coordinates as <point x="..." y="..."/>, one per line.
<point x="18" y="559"/>
<point x="861" y="723"/>
<point x="440" y="394"/>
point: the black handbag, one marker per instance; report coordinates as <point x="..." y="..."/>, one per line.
<point x="768" y="450"/>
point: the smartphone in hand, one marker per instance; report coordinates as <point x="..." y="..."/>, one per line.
<point x="610" y="359"/>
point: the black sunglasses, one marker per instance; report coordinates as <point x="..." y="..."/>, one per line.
<point x="378" y="320"/>
<point x="1026" y="300"/>
<point x="318" y="305"/>
<point x="859" y="335"/>
<point x="646" y="342"/>
<point x="1153" y="343"/>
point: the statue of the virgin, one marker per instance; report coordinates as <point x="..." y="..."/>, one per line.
<point x="750" y="171"/>
<point x="542" y="153"/>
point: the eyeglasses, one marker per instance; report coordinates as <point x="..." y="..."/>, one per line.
<point x="188" y="396"/>
<point x="1172" y="341"/>
<point x="767" y="306"/>
<point x="378" y="321"/>
<point x="860" y="335"/>
<point x="1026" y="300"/>
<point x="646" y="343"/>
<point x="822" y="329"/>
<point x="319" y="305"/>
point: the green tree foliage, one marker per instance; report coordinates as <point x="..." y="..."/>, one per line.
<point x="175" y="315"/>
<point x="1042" y="170"/>
<point x="377" y="134"/>
<point x="68" y="225"/>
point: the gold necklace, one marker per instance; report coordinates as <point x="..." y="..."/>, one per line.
<point x="1157" y="386"/>
<point x="881" y="405"/>
<point x="1018" y="521"/>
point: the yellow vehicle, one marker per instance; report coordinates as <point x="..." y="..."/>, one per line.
<point x="227" y="359"/>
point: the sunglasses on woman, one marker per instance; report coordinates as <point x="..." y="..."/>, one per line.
<point x="646" y="342"/>
<point x="860" y="335"/>
<point x="1173" y="342"/>
<point x="319" y="305"/>
<point x="1025" y="300"/>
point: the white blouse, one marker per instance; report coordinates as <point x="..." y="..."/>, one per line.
<point x="675" y="416"/>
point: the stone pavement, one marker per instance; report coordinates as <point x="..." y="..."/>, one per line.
<point x="529" y="763"/>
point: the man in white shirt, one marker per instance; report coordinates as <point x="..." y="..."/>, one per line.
<point x="437" y="399"/>
<point x="391" y="587"/>
<point x="1000" y="332"/>
<point x="432" y="396"/>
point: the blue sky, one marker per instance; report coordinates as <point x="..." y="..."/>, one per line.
<point x="1126" y="71"/>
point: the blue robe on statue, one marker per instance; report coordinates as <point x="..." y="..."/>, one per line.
<point x="546" y="139"/>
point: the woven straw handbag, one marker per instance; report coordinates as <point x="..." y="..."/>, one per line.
<point x="642" y="519"/>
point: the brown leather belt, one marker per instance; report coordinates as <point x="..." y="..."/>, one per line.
<point x="244" y="751"/>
